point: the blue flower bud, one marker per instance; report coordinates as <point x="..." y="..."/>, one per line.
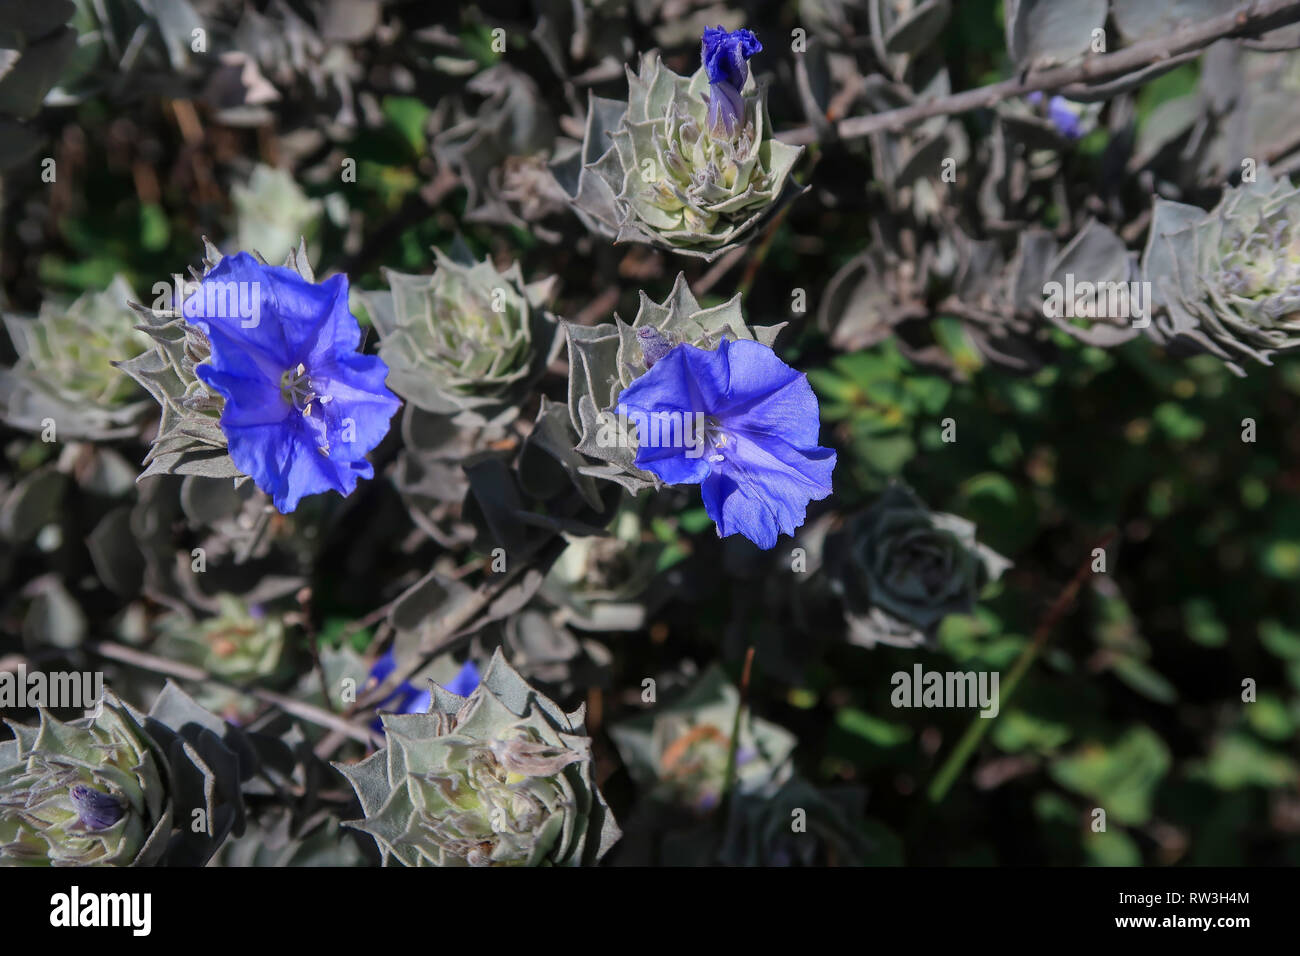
<point x="654" y="345"/>
<point x="96" y="809"/>
<point x="725" y="55"/>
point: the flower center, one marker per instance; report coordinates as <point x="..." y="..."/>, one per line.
<point x="297" y="388"/>
<point x="716" y="441"/>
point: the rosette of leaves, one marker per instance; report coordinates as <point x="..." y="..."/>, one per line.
<point x="901" y="568"/>
<point x="604" y="359"/>
<point x="134" y="45"/>
<point x="187" y="541"/>
<point x="189" y="439"/>
<point x="64" y="371"/>
<point x="587" y="42"/>
<point x="597" y="581"/>
<point x="86" y="793"/>
<point x="761" y="827"/>
<point x="499" y="151"/>
<point x="120" y="788"/>
<point x="311" y="65"/>
<point x="667" y="179"/>
<point x="468" y="341"/>
<point x="1228" y="280"/>
<point x="1245" y="97"/>
<point x="429" y="476"/>
<point x="678" y="751"/>
<point x="503" y="777"/>
<point x="239" y="643"/>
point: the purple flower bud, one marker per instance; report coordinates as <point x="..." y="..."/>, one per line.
<point x="653" y="344"/>
<point x="96" y="809"/>
<point x="725" y="56"/>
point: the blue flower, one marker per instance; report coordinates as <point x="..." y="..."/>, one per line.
<point x="1062" y="114"/>
<point x="725" y="55"/>
<point x="406" y="698"/>
<point x="747" y="430"/>
<point x="302" y="405"/>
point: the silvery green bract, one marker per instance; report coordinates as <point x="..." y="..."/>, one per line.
<point x="85" y="793"/>
<point x="605" y="359"/>
<point x="1229" y="280"/>
<point x="902" y="568"/>
<point x="64" y="371"/>
<point x="466" y="341"/>
<point x="500" y="778"/>
<point x="667" y="179"/>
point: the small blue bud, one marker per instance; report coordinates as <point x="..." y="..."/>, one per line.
<point x="95" y="809"/>
<point x="653" y="345"/>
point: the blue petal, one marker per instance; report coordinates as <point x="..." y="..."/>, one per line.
<point x="284" y="460"/>
<point x="465" y="681"/>
<point x="764" y="396"/>
<point x="687" y="379"/>
<point x="238" y="284"/>
<point x="294" y="320"/>
<point x="762" y="488"/>
<point x="674" y="466"/>
<point x="724" y="53"/>
<point x="416" y="701"/>
<point x="249" y="401"/>
<point x="361" y="407"/>
<point x="383" y="666"/>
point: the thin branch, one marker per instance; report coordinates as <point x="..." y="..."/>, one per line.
<point x="980" y="725"/>
<point x="718" y="270"/>
<point x="188" y="672"/>
<point x="1246" y="20"/>
<point x="733" y="745"/>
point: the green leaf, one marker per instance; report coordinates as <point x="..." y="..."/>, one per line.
<point x="1238" y="760"/>
<point x="1122" y="777"/>
<point x="882" y="733"/>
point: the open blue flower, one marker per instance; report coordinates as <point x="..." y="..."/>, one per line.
<point x="302" y="405"/>
<point x="752" y="422"/>
<point x="725" y="55"/>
